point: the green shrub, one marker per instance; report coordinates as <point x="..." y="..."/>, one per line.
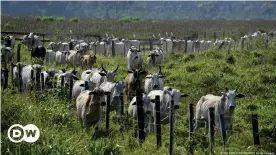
<point x="37" y="18"/>
<point x="74" y="19"/>
<point x="60" y="19"/>
<point x="45" y="18"/>
<point x="129" y="19"/>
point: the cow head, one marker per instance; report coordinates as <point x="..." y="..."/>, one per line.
<point x="176" y="96"/>
<point x="156" y="79"/>
<point x="134" y="52"/>
<point x="136" y="76"/>
<point x="93" y="59"/>
<point x="110" y="75"/>
<point x="97" y="97"/>
<point x="229" y="97"/>
<point x="147" y="107"/>
<point x="49" y="79"/>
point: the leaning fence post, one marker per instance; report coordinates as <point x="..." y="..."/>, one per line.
<point x="158" y="122"/>
<point x="211" y="119"/>
<point x="140" y="114"/>
<point x="42" y="81"/>
<point x="107" y="111"/>
<point x="18" y="52"/>
<point x="255" y="125"/>
<point x="215" y="36"/>
<point x="186" y="43"/>
<point x="222" y="129"/>
<point x="171" y="127"/>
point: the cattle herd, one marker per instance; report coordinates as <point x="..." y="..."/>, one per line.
<point x="89" y="92"/>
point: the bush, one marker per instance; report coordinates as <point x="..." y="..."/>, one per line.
<point x="129" y="19"/>
<point x="60" y="19"/>
<point x="47" y="18"/>
<point x="74" y="19"/>
<point x="37" y="18"/>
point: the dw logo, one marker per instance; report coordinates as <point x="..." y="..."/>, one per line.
<point x="29" y="133"/>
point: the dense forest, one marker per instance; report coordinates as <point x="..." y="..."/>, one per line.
<point x="168" y="10"/>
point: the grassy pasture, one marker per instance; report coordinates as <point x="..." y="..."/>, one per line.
<point x="252" y="73"/>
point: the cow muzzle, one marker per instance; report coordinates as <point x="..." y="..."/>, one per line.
<point x="232" y="107"/>
<point x="155" y="86"/>
<point x="147" y="112"/>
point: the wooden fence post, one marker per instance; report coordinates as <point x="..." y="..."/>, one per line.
<point x="18" y="52"/>
<point x="86" y="87"/>
<point x="222" y="129"/>
<point x="151" y="44"/>
<point x="122" y="103"/>
<point x="107" y="111"/>
<point x="211" y="122"/>
<point x="191" y="125"/>
<point x="140" y="114"/>
<point x="62" y="86"/>
<point x="42" y="81"/>
<point x="6" y="75"/>
<point x="43" y="35"/>
<point x="171" y="127"/>
<point x="70" y="88"/>
<point x="37" y="81"/>
<point x="113" y="49"/>
<point x="215" y="36"/>
<point x="19" y="78"/>
<point x="32" y="79"/>
<point x="144" y="50"/>
<point x="12" y="82"/>
<point x="158" y="122"/>
<point x="255" y="130"/>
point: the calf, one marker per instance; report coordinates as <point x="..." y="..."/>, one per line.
<point x="133" y="82"/>
<point x="79" y="86"/>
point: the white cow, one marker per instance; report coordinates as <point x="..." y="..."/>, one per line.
<point x="134" y="58"/>
<point x="119" y="49"/>
<point x="190" y="46"/>
<point x="129" y="43"/>
<point x="31" y="41"/>
<point x="74" y="58"/>
<point x="27" y="80"/>
<point x="88" y="105"/>
<point x="116" y="89"/>
<point x="154" y="81"/>
<point x="224" y="104"/>
<point x="16" y="73"/>
<point x="9" y="41"/>
<point x="67" y="77"/>
<point x="166" y="44"/>
<point x="82" y="46"/>
<point x="147" y="109"/>
<point x="165" y="101"/>
<point x="155" y="57"/>
<point x="6" y="54"/>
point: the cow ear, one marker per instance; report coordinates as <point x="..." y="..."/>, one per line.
<point x="88" y="72"/>
<point x="134" y="103"/>
<point x="102" y="73"/>
<point x="156" y="55"/>
<point x="149" y="76"/>
<point x="152" y="100"/>
<point x="81" y="57"/>
<point x="184" y="95"/>
<point x="82" y="85"/>
<point x="47" y="71"/>
<point x="240" y="96"/>
<point x="92" y="92"/>
<point x="162" y="76"/>
<point x="129" y="71"/>
<point x="138" y="50"/>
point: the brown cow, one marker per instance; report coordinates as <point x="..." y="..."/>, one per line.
<point x="87" y="61"/>
<point x="133" y="82"/>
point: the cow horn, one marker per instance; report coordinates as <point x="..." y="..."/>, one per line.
<point x="116" y="68"/>
<point x="159" y="69"/>
<point x="103" y="68"/>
